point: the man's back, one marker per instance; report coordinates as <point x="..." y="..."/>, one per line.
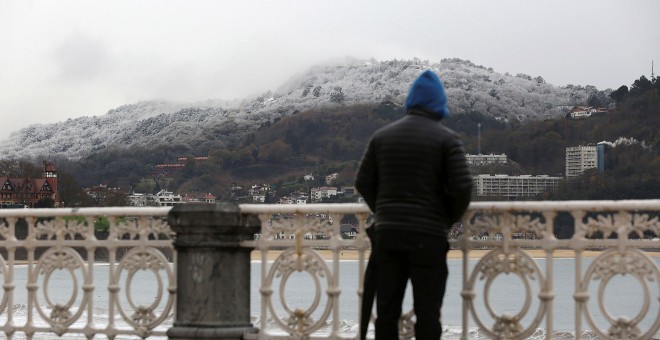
<point x="420" y="168"/>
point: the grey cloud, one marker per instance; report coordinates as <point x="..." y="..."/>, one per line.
<point x="81" y="58"/>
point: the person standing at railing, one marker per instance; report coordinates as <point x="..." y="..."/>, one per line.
<point x="414" y="177"/>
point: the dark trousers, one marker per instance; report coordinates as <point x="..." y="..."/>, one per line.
<point x="423" y="260"/>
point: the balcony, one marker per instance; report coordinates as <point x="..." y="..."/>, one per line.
<point x="544" y="270"/>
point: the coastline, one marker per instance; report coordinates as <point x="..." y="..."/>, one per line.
<point x="454" y="254"/>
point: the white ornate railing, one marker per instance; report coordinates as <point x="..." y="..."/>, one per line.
<point x="300" y="230"/>
<point x="494" y="225"/>
<point x="55" y="248"/>
<point x="505" y="232"/>
<point x="65" y="285"/>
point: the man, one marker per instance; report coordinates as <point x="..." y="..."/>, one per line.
<point x="414" y="177"/>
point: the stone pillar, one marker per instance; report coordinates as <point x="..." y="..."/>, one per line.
<point x="213" y="271"/>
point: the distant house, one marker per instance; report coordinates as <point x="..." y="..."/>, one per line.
<point x="294" y="198"/>
<point x="579" y="112"/>
<point x="318" y="194"/>
<point x="141" y="200"/>
<point x="259" y="192"/>
<point x="199" y="198"/>
<point x="29" y="191"/>
<point x="347" y="191"/>
<point x="348" y="231"/>
<point x="166" y="198"/>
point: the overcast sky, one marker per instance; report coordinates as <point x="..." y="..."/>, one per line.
<point x="73" y="58"/>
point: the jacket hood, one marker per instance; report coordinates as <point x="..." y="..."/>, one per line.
<point x="427" y="93"/>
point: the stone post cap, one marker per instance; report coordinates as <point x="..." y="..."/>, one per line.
<point x="218" y="218"/>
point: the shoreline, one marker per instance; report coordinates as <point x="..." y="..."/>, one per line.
<point x="453" y="254"/>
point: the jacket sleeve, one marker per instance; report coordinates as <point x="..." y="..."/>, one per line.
<point x="366" y="181"/>
<point x="459" y="179"/>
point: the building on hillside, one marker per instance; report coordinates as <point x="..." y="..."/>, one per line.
<point x="101" y="194"/>
<point x="166" y="198"/>
<point x="347" y="192"/>
<point x="28" y="191"/>
<point x="294" y="198"/>
<point x="486" y="159"/>
<point x="259" y="189"/>
<point x="583" y="112"/>
<point x="348" y="231"/>
<point x="514" y="186"/>
<point x="581" y="158"/>
<point x="331" y="178"/>
<point x="142" y="200"/>
<point x="318" y="194"/>
<point x="199" y="198"/>
<point x="259" y="192"/>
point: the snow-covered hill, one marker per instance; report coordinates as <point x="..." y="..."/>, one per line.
<point x="469" y="87"/>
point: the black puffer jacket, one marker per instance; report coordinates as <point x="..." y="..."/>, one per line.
<point x="414" y="176"/>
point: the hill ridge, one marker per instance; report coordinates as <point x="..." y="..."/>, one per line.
<point x="470" y="88"/>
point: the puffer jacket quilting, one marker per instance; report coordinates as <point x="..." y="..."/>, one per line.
<point x="414" y="175"/>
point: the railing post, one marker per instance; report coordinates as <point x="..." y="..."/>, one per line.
<point x="213" y="271"/>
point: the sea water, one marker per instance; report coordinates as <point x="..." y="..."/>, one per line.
<point x="507" y="295"/>
<point x="622" y="297"/>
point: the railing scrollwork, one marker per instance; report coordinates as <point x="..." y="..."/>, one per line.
<point x="513" y="242"/>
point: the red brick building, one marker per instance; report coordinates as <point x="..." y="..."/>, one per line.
<point x="28" y="191"/>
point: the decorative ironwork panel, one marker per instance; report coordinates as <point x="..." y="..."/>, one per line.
<point x="297" y="234"/>
<point x="75" y="265"/>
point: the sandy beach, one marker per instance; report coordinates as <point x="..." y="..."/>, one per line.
<point x="351" y="254"/>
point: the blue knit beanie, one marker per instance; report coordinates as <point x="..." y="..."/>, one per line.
<point x="428" y="93"/>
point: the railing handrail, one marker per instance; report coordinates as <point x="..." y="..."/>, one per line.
<point x="345" y="208"/>
<point x="93" y="211"/>
<point x="601" y="205"/>
<point x="585" y="205"/>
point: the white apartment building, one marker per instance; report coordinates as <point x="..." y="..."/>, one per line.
<point x="166" y="198"/>
<point x="584" y="112"/>
<point x="579" y="159"/>
<point x="141" y="200"/>
<point x="318" y="194"/>
<point x="514" y="186"/>
<point x="294" y="199"/>
<point x="486" y="159"/>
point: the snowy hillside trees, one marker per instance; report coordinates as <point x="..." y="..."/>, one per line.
<point x="470" y="88"/>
